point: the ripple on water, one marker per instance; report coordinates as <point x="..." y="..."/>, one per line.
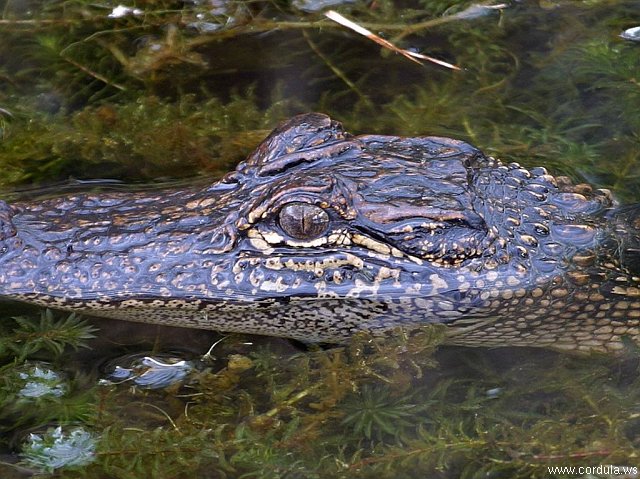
<point x="147" y="372"/>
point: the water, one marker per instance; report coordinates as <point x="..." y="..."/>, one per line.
<point x="181" y="92"/>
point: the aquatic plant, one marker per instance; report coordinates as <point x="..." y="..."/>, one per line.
<point x="55" y="448"/>
<point x="173" y="89"/>
<point x="377" y="407"/>
<point x="374" y="414"/>
<point x="46" y="334"/>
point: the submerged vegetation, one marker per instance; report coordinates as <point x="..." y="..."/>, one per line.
<point x="374" y="408"/>
<point x="167" y="89"/>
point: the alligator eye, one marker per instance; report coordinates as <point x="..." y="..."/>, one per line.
<point x="303" y="221"/>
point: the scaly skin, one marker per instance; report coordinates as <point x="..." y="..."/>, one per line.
<point x="320" y="234"/>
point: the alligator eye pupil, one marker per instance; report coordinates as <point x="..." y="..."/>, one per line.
<point x="303" y="221"/>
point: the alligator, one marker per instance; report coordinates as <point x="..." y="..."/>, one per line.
<point x="320" y="234"/>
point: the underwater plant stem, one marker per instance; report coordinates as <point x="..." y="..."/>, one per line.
<point x="164" y="413"/>
<point x="289" y="402"/>
<point x="93" y="74"/>
<point x="414" y="452"/>
<point x="472" y="12"/>
<point x="336" y="71"/>
<point x="35" y="22"/>
<point x="574" y="455"/>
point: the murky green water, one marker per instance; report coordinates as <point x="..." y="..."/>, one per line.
<point x="181" y="91"/>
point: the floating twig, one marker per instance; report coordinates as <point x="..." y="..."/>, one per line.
<point x="413" y="56"/>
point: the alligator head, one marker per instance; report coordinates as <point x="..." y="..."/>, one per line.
<point x="320" y="234"/>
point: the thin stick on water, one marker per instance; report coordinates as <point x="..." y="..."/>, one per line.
<point x="413" y="56"/>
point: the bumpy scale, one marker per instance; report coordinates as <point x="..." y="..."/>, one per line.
<point x="320" y="234"/>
